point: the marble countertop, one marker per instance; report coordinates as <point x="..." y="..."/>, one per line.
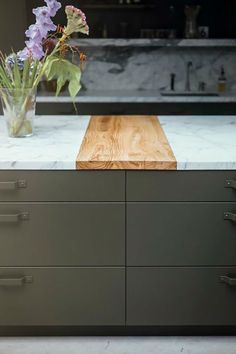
<point x="146" y="42"/>
<point x="198" y="143"/>
<point x="54" y="146"/>
<point x="202" y="142"/>
<point x="130" y="96"/>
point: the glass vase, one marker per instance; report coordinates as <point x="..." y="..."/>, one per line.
<point x="19" y="106"/>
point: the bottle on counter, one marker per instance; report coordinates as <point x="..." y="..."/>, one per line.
<point x="222" y="81"/>
<point x="104" y="31"/>
<point x="172" y="81"/>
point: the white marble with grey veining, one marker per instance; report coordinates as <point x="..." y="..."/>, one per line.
<point x="146" y="64"/>
<point x="202" y="142"/>
<point x="118" y="345"/>
<point x="198" y="143"/>
<point x="54" y="146"/>
<point x="132" y="96"/>
<point x="148" y="68"/>
<point x="152" y="42"/>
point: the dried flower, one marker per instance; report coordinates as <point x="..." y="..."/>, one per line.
<point x="49" y="45"/>
<point x="76" y="21"/>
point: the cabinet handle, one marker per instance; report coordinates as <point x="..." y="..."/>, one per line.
<point x="230" y="216"/>
<point x="230" y="184"/>
<point x="14" y="218"/>
<point x="229" y="279"/>
<point x="15" y="282"/>
<point x="10" y="186"/>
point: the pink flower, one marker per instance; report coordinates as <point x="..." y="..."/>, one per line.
<point x="76" y="21"/>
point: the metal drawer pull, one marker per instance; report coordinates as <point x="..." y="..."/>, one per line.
<point x="10" y="186"/>
<point x="230" y="184"/>
<point x="16" y="282"/>
<point x="230" y="216"/>
<point x="14" y="218"/>
<point x="229" y="279"/>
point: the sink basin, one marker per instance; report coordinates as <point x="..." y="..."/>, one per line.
<point x="189" y="93"/>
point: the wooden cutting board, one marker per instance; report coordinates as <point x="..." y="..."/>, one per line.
<point x="125" y="143"/>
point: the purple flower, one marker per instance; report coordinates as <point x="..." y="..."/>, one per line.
<point x="35" y="49"/>
<point x="38" y="32"/>
<point x="43" y="20"/>
<point x="53" y="6"/>
<point x="24" y="54"/>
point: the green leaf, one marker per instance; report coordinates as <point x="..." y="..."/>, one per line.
<point x="74" y="87"/>
<point x="26" y="74"/>
<point x="60" y="83"/>
<point x="34" y="74"/>
<point x="5" y="80"/>
<point x="64" y="71"/>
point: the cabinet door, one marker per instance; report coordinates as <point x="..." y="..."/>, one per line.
<point x="62" y="296"/>
<point x="180" y="186"/>
<point x="78" y="186"/>
<point x="62" y="234"/>
<point x="181" y="297"/>
<point x="181" y="234"/>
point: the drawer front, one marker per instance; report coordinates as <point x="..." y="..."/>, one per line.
<point x="64" y="234"/>
<point x="62" y="296"/>
<point x="62" y="186"/>
<point x="181" y="186"/>
<point x="181" y="234"/>
<point x="181" y="297"/>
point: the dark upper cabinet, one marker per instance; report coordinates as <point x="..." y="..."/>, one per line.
<point x="122" y="18"/>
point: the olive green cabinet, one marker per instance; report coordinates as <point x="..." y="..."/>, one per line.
<point x="181" y="234"/>
<point x="117" y="248"/>
<point x="62" y="296"/>
<point x="62" y="248"/>
<point x="181" y="296"/>
<point x="181" y="248"/>
<point x="59" y="234"/>
<point x="172" y="186"/>
<point x="59" y="186"/>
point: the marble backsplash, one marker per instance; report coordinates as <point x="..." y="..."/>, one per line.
<point x="149" y="67"/>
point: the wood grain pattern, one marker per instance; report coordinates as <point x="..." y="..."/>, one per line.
<point x="125" y="143"/>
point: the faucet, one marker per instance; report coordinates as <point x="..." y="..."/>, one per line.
<point x="187" y="84"/>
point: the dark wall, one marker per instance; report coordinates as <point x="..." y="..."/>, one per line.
<point x="12" y="25"/>
<point x="108" y="17"/>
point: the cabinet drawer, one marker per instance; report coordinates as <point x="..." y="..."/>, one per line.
<point x="181" y="186"/>
<point x="181" y="297"/>
<point x="63" y="234"/>
<point x="180" y="234"/>
<point x="62" y="186"/>
<point x="62" y="296"/>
